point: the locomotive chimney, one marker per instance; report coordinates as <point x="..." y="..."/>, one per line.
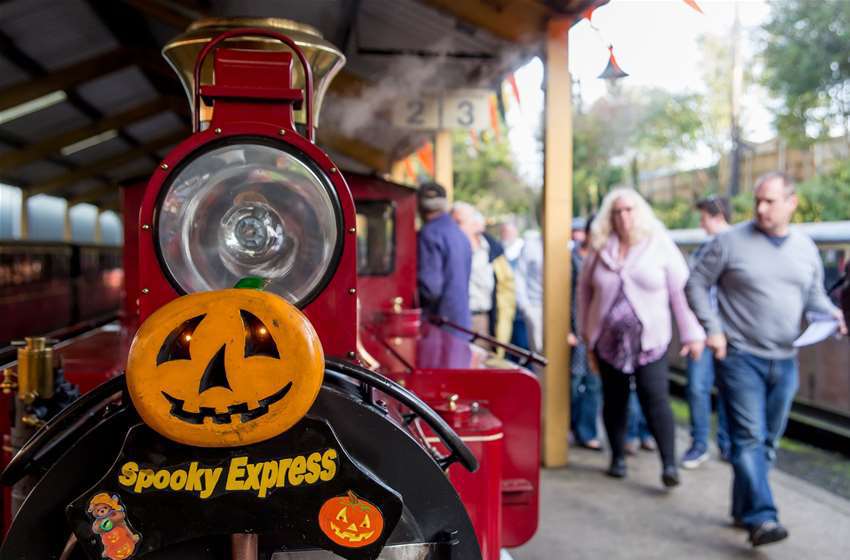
<point x="324" y="58"/>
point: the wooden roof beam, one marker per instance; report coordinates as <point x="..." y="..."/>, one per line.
<point x="517" y="21"/>
<point x="169" y="13"/>
<point x="63" y="78"/>
<point x="18" y="158"/>
<point x="94" y="196"/>
<point x="52" y="185"/>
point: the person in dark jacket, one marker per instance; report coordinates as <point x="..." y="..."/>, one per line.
<point x="586" y="387"/>
<point x="444" y="259"/>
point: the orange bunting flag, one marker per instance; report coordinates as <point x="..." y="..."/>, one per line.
<point x="514" y="87"/>
<point x="426" y="156"/>
<point x="494" y="115"/>
<point x="693" y="4"/>
<point x="588" y="14"/>
<point x="473" y="135"/>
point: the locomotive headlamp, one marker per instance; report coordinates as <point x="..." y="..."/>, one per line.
<point x="250" y="193"/>
<point x="248" y="208"/>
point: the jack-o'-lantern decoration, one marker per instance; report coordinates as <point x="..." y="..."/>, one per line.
<point x="225" y="368"/>
<point x="351" y="521"/>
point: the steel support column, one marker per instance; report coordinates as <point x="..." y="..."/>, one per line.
<point x="98" y="232"/>
<point x="67" y="235"/>
<point x="557" y="217"/>
<point x="25" y="215"/>
<point x="443" y="166"/>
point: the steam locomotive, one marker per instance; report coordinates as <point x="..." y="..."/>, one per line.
<point x="277" y="404"/>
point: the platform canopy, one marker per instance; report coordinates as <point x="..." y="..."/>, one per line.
<point x="87" y="102"/>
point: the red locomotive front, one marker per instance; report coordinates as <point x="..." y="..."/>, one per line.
<point x="324" y="265"/>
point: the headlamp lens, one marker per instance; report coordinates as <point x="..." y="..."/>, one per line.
<point x="248" y="210"/>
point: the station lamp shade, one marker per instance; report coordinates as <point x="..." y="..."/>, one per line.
<point x="612" y="71"/>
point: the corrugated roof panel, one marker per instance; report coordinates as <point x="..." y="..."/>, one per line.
<point x="60" y="33"/>
<point x="56" y="34"/>
<point x="410" y="24"/>
<point x="118" y="91"/>
<point x="39" y="171"/>
<point x="10" y="75"/>
<point x="138" y="167"/>
<point x="47" y="122"/>
<point x="324" y="15"/>
<point x="81" y="187"/>
<point x="155" y="127"/>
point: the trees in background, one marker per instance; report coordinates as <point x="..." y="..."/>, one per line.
<point x="620" y="136"/>
<point x="485" y="175"/>
<point x="807" y="67"/>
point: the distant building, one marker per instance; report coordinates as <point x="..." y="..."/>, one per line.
<point x="800" y="163"/>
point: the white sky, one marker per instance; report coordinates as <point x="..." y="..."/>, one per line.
<point x="655" y="42"/>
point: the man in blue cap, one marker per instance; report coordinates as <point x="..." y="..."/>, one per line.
<point x="444" y="259"/>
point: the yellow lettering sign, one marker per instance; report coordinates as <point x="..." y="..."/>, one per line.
<point x="242" y="475"/>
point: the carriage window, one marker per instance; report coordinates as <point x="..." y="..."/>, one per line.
<point x="375" y="238"/>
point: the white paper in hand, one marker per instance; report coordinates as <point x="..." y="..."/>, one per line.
<point x="820" y="328"/>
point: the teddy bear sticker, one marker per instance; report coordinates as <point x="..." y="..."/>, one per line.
<point x="110" y="522"/>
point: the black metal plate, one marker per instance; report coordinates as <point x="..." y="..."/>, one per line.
<point x="224" y="498"/>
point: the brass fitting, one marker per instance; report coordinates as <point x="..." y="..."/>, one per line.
<point x="453" y="401"/>
<point x="9" y="384"/>
<point x="397" y="303"/>
<point x="32" y="421"/>
<point x="35" y="369"/>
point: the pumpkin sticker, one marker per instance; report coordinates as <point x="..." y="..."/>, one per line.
<point x="351" y="521"/>
<point x="225" y="368"/>
<point x="110" y="523"/>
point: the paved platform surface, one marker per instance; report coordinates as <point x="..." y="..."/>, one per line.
<point x="586" y="515"/>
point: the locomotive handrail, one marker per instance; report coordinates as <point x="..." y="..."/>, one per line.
<point x="60" y="427"/>
<point x="308" y="72"/>
<point x="526" y="356"/>
<point x="459" y="451"/>
<point x="65" y="424"/>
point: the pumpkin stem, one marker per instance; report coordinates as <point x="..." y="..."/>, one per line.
<point x="352" y="497"/>
<point x="253" y="283"/>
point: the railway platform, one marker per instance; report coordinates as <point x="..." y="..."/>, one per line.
<point x="586" y="515"/>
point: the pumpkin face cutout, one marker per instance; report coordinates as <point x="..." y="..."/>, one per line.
<point x="350" y="521"/>
<point x="225" y="368"/>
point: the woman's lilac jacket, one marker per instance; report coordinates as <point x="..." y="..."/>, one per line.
<point x="653" y="276"/>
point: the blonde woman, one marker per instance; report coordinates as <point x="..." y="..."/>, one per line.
<point x="631" y="279"/>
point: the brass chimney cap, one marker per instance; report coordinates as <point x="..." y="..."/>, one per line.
<point x="324" y="57"/>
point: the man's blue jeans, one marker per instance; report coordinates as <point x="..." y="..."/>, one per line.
<point x="758" y="393"/>
<point x="700" y="382"/>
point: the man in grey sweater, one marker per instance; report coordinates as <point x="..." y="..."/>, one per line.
<point x="768" y="275"/>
